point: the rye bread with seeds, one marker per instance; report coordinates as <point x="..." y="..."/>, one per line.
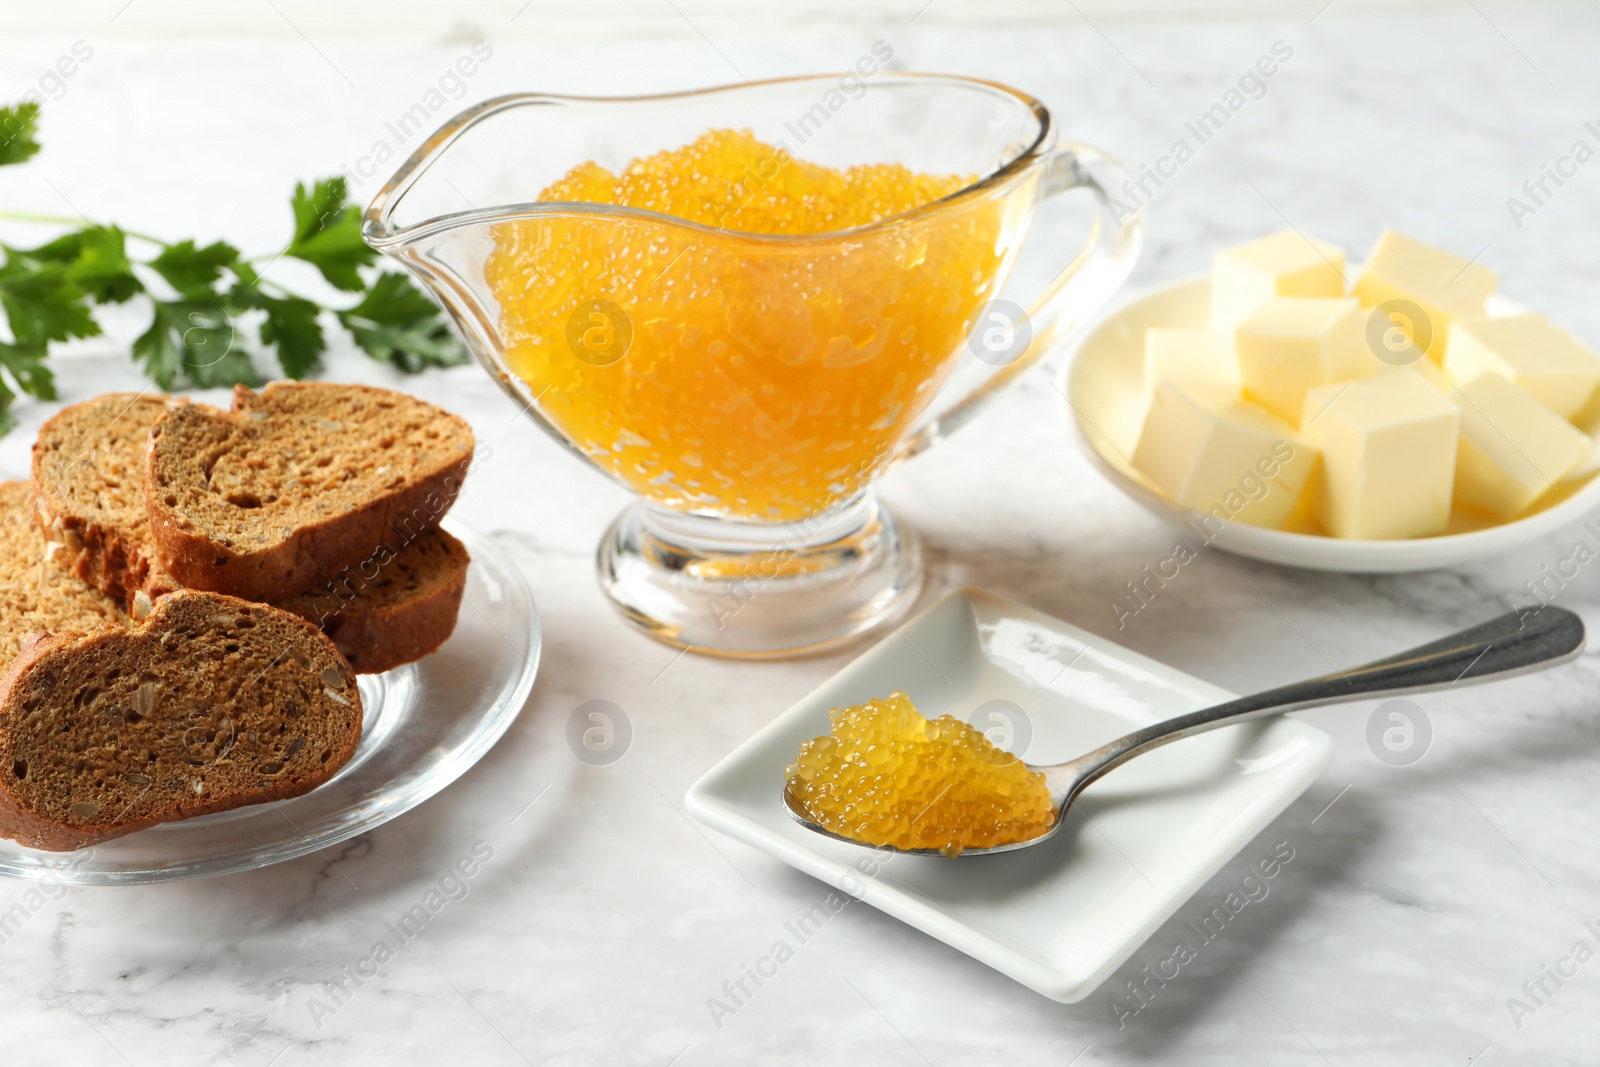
<point x="213" y="703"/>
<point x="390" y="608"/>
<point x="36" y="594"/>
<point x="88" y="476"/>
<point x="393" y="607"/>
<point x="297" y="483"/>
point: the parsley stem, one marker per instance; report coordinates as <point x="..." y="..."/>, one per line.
<point x="137" y="236"/>
<point x="65" y="220"/>
<point x="28" y="216"/>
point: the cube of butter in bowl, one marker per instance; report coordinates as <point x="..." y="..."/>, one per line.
<point x="1388" y="445"/>
<point x="1513" y="448"/>
<point x="1288" y="345"/>
<point x="1423" y="286"/>
<point x="1199" y="357"/>
<point x="1224" y="457"/>
<point x="1548" y="362"/>
<point x="1280" y="264"/>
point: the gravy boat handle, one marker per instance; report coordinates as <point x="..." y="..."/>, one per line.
<point x="1073" y="296"/>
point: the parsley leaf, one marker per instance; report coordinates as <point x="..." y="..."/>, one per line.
<point x="393" y="300"/>
<point x="397" y="323"/>
<point x="96" y="259"/>
<point x="102" y="268"/>
<point x="17" y="127"/>
<point x="193" y="271"/>
<point x="327" y="234"/>
<point x="42" y="304"/>
<point x="25" y="363"/>
<point x="193" y="341"/>
<point x="156" y="348"/>
<point x="63" y="249"/>
<point x="291" y="327"/>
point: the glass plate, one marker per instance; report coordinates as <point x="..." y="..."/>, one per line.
<point x="425" y="724"/>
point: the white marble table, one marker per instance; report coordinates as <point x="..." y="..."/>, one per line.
<point x="1421" y="898"/>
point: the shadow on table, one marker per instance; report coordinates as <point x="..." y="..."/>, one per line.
<point x="1205" y="952"/>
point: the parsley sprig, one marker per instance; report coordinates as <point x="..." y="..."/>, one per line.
<point x="205" y="300"/>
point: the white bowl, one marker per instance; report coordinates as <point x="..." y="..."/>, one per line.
<point x="1104" y="388"/>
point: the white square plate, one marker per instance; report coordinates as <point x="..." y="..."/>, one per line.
<point x="1063" y="915"/>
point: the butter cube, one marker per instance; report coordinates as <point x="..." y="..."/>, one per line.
<point x="1589" y="466"/>
<point x="1442" y="287"/>
<point x="1283" y="264"/>
<point x="1388" y="448"/>
<point x="1544" y="359"/>
<point x="1436" y="377"/>
<point x="1513" y="448"/>
<point x="1197" y="356"/>
<point x="1214" y="453"/>
<point x="1505" y="443"/>
<point x="1291" y="344"/>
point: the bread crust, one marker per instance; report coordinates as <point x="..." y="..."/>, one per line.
<point x="313" y="552"/>
<point x="33" y="830"/>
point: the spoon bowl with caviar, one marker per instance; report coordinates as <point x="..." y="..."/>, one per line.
<point x="889" y="779"/>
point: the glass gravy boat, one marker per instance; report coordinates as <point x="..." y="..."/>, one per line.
<point x="749" y="388"/>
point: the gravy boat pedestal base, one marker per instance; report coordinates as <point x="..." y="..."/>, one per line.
<point x="752" y="590"/>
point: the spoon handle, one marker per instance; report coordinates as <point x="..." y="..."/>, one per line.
<point x="1514" y="643"/>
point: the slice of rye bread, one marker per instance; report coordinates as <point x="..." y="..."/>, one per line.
<point x="297" y="483"/>
<point x="213" y="703"/>
<point x="37" y="595"/>
<point x="390" y="608"/>
<point x="88" y="475"/>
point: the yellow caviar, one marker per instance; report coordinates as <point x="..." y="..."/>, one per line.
<point x="731" y="180"/>
<point x="887" y="776"/>
<point x="729" y="374"/>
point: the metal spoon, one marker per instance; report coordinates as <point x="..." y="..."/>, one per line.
<point x="1515" y="643"/>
